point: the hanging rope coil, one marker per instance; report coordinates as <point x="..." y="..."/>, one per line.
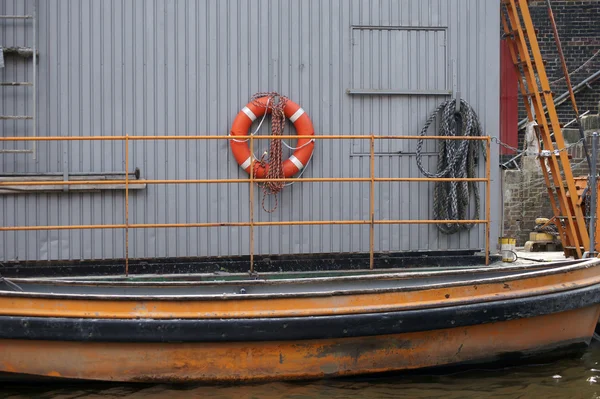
<point x="456" y="159"/>
<point x="274" y="164"/>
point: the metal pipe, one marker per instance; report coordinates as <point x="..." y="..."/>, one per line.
<point x="222" y="137"/>
<point x="372" y="206"/>
<point x="15" y="17"/>
<point x="126" y="208"/>
<point x="488" y="198"/>
<point x="594" y="189"/>
<point x="135" y="174"/>
<point x="561" y="55"/>
<point x="16" y="84"/>
<point x="563" y="97"/>
<point x="387" y="92"/>
<point x="215" y="181"/>
<point x="16" y="151"/>
<point x="238" y="224"/>
<point x="252" y="160"/>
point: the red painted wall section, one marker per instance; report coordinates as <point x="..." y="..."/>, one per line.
<point x="509" y="106"/>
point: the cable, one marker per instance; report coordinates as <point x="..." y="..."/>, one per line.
<point x="578" y="69"/>
<point x="456" y="159"/>
<point x="10" y="284"/>
<point x="517" y="257"/>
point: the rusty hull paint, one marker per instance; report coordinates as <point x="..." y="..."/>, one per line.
<point x="253" y="361"/>
<point x="22" y="304"/>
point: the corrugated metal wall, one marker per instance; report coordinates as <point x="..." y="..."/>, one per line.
<point x="187" y="67"/>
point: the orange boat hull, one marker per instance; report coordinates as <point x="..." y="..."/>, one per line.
<point x="255" y="330"/>
<point x="302" y="359"/>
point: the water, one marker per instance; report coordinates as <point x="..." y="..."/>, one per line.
<point x="576" y="377"/>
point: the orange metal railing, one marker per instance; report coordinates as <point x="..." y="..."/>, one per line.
<point x="251" y="180"/>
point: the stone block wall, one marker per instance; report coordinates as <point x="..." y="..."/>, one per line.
<point x="525" y="195"/>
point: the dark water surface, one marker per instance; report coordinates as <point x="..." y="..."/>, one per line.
<point x="574" y="377"/>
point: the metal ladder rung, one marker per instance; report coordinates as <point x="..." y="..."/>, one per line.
<point x="16" y="16"/>
<point x="16" y="84"/>
<point x="15" y="117"/>
<point x="26" y="52"/>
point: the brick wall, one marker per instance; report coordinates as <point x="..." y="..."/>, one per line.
<point x="578" y="25"/>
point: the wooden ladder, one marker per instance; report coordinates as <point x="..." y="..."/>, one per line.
<point x="533" y="83"/>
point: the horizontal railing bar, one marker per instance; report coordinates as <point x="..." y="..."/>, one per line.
<point x="216" y="181"/>
<point x="221" y="137"/>
<point x="237" y="224"/>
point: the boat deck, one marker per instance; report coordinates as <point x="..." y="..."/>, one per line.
<point x="245" y="284"/>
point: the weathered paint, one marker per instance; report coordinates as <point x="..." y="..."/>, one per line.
<point x="253" y="361"/>
<point x="187" y="67"/>
<point x="237" y="306"/>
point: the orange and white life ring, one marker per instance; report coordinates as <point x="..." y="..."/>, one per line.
<point x="254" y="110"/>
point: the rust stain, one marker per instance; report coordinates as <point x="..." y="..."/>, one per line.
<point x="352" y="350"/>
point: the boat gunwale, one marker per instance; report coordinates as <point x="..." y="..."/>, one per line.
<point x="579" y="265"/>
<point x="400" y="275"/>
<point x="179" y="277"/>
<point x="288" y="328"/>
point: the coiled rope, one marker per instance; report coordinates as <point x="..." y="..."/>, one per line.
<point x="549" y="229"/>
<point x="276" y="103"/>
<point x="456" y="159"/>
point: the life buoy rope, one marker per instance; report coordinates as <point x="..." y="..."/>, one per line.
<point x="280" y="108"/>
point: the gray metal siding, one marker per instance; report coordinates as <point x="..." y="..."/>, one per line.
<point x="187" y="67"/>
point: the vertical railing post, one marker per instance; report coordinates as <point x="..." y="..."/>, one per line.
<point x="593" y="193"/>
<point x="372" y="205"/>
<point x="251" y="204"/>
<point x="127" y="205"/>
<point x="488" y="197"/>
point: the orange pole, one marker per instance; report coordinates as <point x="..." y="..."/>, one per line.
<point x="235" y="224"/>
<point x="215" y="181"/>
<point x="488" y="198"/>
<point x="221" y="137"/>
<point x="252" y="203"/>
<point x="372" y="206"/>
<point x="126" y="206"/>
<point x="479" y="221"/>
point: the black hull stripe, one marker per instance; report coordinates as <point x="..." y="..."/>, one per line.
<point x="292" y="328"/>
